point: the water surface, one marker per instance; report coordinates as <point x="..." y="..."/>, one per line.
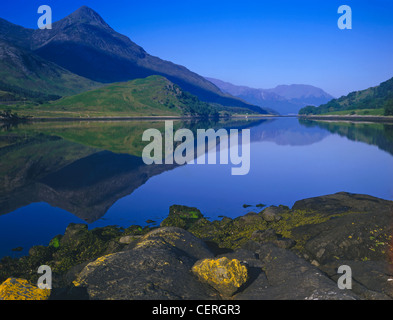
<point x="92" y="172"/>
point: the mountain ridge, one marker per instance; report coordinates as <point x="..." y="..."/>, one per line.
<point x="286" y="99"/>
<point x="82" y="41"/>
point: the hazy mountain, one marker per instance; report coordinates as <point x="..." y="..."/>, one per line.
<point x="85" y="44"/>
<point x="285" y="99"/>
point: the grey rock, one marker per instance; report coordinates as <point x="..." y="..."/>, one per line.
<point x="157" y="267"/>
<point x="272" y="213"/>
<point x="126" y="239"/>
<point x="285" y="276"/>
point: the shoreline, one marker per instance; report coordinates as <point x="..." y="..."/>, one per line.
<point x="262" y="242"/>
<point x="354" y="118"/>
<point x="119" y="118"/>
<point x="388" y="119"/>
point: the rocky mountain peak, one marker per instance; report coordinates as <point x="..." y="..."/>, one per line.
<point x="85" y="15"/>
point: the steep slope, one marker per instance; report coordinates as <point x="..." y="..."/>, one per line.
<point x="83" y="41"/>
<point x="17" y="35"/>
<point x="151" y="96"/>
<point x="378" y="97"/>
<point x="285" y="99"/>
<point x="26" y="75"/>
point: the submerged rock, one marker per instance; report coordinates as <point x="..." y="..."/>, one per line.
<point x="181" y="216"/>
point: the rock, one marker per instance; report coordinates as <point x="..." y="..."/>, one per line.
<point x="372" y="280"/>
<point x="126" y="239"/>
<point x="225" y="275"/>
<point x="176" y="238"/>
<point x="37" y="250"/>
<point x="272" y="213"/>
<point x="158" y="266"/>
<point x="264" y="235"/>
<point x="251" y="218"/>
<point x="20" y="289"/>
<point x="287" y="254"/>
<point x="357" y="227"/>
<point x="343" y="202"/>
<point x="181" y="217"/>
<point x="74" y="233"/>
<point x="285" y="276"/>
<point x="269" y="235"/>
<point x="284" y="243"/>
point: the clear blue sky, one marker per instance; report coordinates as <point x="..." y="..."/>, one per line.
<point x="255" y="43"/>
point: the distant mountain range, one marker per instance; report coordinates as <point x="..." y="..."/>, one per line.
<point x="376" y="100"/>
<point x="285" y="99"/>
<point x="81" y="52"/>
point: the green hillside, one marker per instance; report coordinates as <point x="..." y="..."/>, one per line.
<point x="151" y="96"/>
<point x="373" y="101"/>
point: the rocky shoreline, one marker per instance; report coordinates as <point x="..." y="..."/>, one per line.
<point x="279" y="253"/>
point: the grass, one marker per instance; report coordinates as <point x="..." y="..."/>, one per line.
<point x="359" y="112"/>
<point x="152" y="96"/>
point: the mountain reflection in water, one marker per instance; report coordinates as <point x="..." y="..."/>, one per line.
<point x="90" y="169"/>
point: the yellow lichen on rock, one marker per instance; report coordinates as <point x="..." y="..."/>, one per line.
<point x="21" y="289"/>
<point x="99" y="261"/>
<point x="78" y="282"/>
<point x="225" y="275"/>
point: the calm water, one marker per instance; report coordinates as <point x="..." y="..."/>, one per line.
<point x="53" y="174"/>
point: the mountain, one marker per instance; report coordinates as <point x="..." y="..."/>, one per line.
<point x="86" y="45"/>
<point x="151" y="96"/>
<point x="285" y="99"/>
<point x="301" y="94"/>
<point x="375" y="99"/>
<point x="24" y="74"/>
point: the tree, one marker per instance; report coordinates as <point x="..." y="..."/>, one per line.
<point x="308" y="110"/>
<point x="389" y="108"/>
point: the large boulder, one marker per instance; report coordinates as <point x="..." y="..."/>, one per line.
<point x="356" y="230"/>
<point x="344" y="202"/>
<point x="282" y="275"/>
<point x="158" y="266"/>
<point x="359" y="227"/>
